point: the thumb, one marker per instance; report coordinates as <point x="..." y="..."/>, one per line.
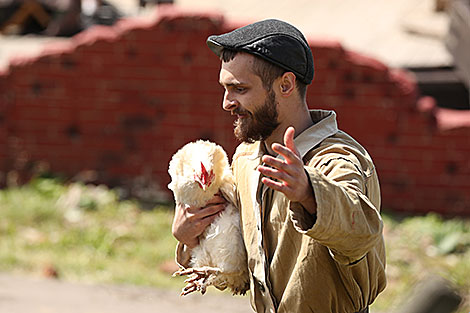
<point x="289" y="140"/>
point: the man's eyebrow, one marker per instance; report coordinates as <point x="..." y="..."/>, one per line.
<point x="232" y="84"/>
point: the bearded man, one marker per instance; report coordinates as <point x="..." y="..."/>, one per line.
<point x="308" y="193"/>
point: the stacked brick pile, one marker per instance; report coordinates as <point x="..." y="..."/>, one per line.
<point x="121" y="100"/>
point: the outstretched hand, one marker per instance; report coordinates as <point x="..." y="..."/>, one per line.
<point x="288" y="176"/>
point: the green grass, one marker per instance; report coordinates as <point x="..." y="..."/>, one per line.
<point x="87" y="234"/>
<point x="421" y="247"/>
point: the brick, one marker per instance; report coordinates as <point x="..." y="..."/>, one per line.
<point x="121" y="99"/>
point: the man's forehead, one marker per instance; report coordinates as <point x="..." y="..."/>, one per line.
<point x="237" y="71"/>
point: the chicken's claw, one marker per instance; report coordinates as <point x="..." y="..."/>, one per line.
<point x="199" y="278"/>
<point x="188" y="289"/>
<point x="204" y="271"/>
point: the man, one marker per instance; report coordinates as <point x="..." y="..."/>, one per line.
<point x="308" y="193"/>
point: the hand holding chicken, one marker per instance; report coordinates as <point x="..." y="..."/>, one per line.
<point x="201" y="176"/>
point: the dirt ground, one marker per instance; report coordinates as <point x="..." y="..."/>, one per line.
<point x="22" y="294"/>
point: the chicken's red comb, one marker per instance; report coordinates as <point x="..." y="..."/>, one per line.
<point x="206" y="178"/>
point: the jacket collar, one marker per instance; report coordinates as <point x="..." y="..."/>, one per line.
<point x="324" y="126"/>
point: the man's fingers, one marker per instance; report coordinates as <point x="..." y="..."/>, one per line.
<point x="217" y="203"/>
<point x="217" y="199"/>
<point x="286" y="170"/>
<point x="289" y="135"/>
<point x="291" y="156"/>
<point x="190" y="222"/>
<point x="206" y="221"/>
<point x="276" y="185"/>
<point x="208" y="211"/>
<point x="200" y="223"/>
<point x="289" y="139"/>
<point x="275" y="173"/>
<point x="274" y="162"/>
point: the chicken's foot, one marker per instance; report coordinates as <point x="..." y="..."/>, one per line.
<point x="199" y="278"/>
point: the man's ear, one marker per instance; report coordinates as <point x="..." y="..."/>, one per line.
<point x="287" y="84"/>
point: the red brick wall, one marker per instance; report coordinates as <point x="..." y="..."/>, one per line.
<point x="121" y="100"/>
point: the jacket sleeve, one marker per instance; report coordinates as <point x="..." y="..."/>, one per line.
<point x="346" y="222"/>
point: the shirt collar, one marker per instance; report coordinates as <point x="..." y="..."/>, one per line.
<point x="324" y="126"/>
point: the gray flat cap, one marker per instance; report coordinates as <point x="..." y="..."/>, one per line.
<point x="275" y="41"/>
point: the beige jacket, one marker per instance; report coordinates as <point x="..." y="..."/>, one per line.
<point x="333" y="262"/>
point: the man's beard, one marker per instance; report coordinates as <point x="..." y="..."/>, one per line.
<point x="260" y="124"/>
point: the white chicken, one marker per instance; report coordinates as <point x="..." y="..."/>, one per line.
<point x="198" y="171"/>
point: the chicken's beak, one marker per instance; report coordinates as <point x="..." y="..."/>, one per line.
<point x="199" y="182"/>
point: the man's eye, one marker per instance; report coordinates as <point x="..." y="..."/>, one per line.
<point x="240" y="89"/>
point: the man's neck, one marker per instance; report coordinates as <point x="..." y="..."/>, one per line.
<point x="300" y="120"/>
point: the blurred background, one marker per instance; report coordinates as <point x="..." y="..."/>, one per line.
<point x="96" y="96"/>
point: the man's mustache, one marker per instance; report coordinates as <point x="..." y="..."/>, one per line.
<point x="239" y="111"/>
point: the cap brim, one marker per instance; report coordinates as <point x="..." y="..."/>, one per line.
<point x="214" y="45"/>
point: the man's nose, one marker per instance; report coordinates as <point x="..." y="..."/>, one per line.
<point x="229" y="103"/>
